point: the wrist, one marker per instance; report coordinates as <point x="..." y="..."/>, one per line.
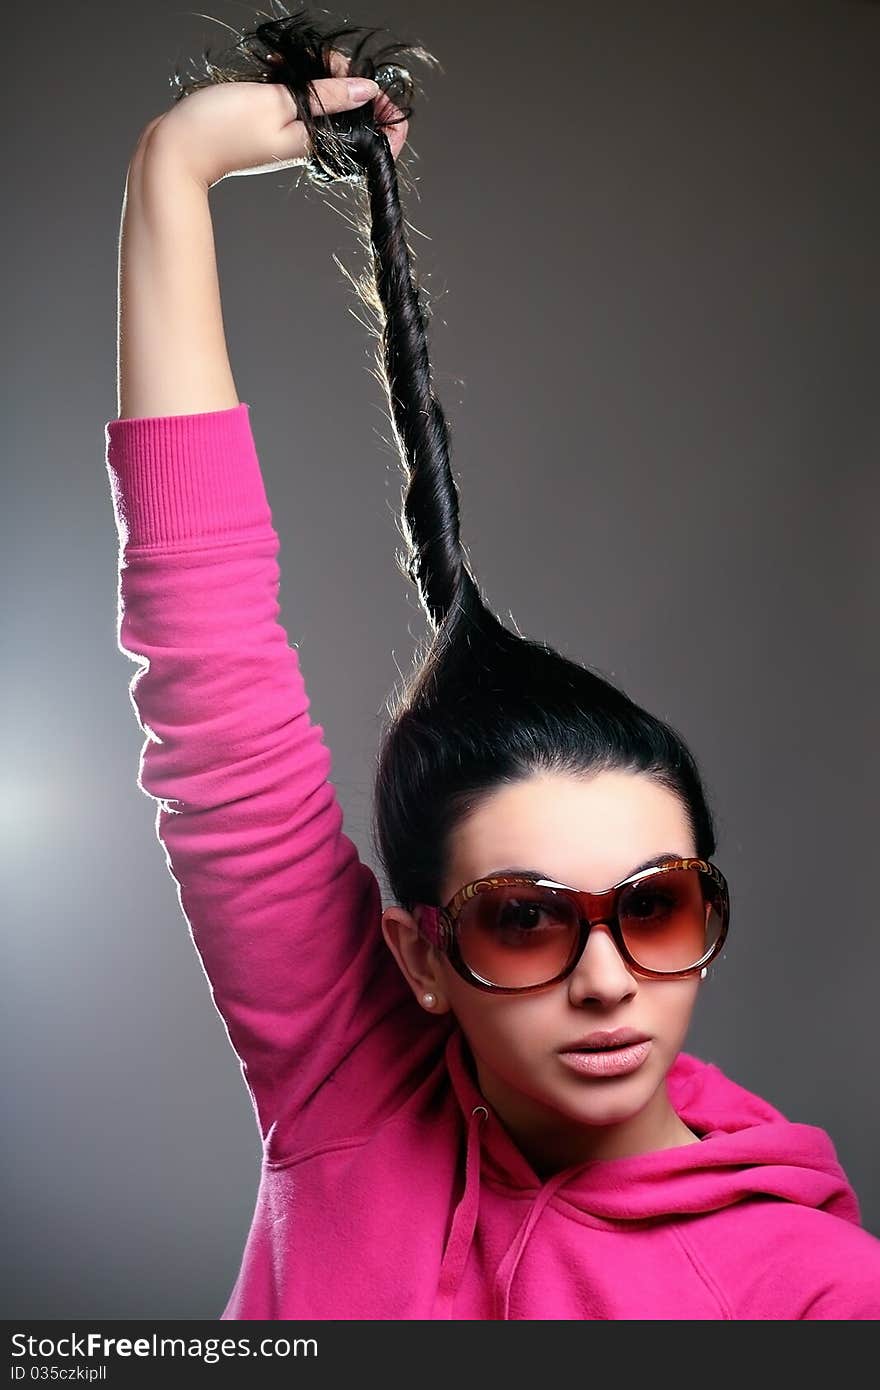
<point x="159" y="147"/>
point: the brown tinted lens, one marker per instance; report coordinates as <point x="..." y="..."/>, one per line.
<point x="519" y="935"/>
<point x="671" y="918"/>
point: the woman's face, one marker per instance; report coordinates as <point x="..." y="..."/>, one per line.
<point x="588" y="832"/>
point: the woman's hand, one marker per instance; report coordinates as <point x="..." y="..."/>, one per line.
<point x="253" y="128"/>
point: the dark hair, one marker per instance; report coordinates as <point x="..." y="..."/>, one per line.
<point x="483" y="705"/>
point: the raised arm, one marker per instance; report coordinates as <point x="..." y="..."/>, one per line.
<point x="284" y="915"/>
<point x="172" y="357"/>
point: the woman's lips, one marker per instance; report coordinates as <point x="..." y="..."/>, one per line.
<point x="618" y="1037"/>
<point x="614" y="1061"/>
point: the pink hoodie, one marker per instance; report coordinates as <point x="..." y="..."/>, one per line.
<point x="388" y="1188"/>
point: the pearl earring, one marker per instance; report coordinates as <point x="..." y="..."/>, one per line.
<point x="704" y="972"/>
<point x="429" y="1000"/>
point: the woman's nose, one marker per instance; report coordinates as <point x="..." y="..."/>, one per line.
<point x="601" y="973"/>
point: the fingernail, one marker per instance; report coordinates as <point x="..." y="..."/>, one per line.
<point x="362" y="88"/>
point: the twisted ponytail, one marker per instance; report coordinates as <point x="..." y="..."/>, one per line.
<point x="483" y="706"/>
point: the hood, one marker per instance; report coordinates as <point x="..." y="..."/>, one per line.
<point x="748" y="1148"/>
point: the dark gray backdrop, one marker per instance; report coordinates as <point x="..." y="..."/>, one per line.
<point x="650" y="233"/>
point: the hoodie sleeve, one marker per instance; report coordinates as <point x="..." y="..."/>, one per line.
<point x="284" y="915"/>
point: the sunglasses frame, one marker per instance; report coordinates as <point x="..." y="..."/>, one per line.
<point x="440" y="924"/>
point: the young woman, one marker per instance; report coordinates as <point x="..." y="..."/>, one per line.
<point x="473" y="1103"/>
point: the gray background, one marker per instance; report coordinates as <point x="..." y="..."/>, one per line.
<point x="650" y="236"/>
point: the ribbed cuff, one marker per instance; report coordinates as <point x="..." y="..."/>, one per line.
<point x="185" y="477"/>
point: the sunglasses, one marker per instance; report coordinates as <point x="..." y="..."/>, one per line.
<point x="512" y="934"/>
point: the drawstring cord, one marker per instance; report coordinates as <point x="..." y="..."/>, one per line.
<point x="463" y="1223"/>
<point x="508" y="1266"/>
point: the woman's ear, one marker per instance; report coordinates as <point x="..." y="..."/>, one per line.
<point x="417" y="958"/>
